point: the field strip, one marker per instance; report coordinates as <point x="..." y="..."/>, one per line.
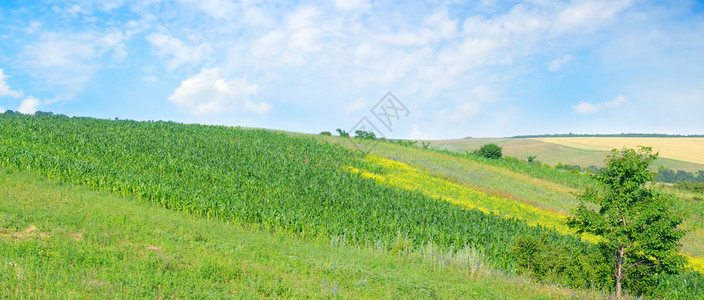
<point x="684" y="149"/>
<point x="404" y="176"/>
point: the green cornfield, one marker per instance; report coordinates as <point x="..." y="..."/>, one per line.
<point x="255" y="177"/>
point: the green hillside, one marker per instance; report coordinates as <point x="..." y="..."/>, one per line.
<point x="258" y="177"/>
<point x="297" y="189"/>
<point x="59" y="240"/>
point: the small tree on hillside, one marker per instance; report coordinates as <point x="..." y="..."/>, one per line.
<point x="638" y="227"/>
<point x="342" y="132"/>
<point x="489" y="151"/>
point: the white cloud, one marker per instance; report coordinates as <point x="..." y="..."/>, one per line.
<point x="255" y="16"/>
<point x="291" y="42"/>
<point x="303" y="30"/>
<point x="469" y="107"/>
<point x="558" y="63"/>
<point x="5" y="90"/>
<point x="590" y="108"/>
<point x="620" y="99"/>
<point x="63" y="61"/>
<point x="29" y="105"/>
<point x="69" y="60"/>
<point x="589" y="16"/>
<point x="209" y="93"/>
<point x="436" y="27"/>
<point x="33" y="27"/>
<point x="345" y="51"/>
<point x="586" y="108"/>
<point x="109" y="5"/>
<point x="149" y="79"/>
<point x="2" y="110"/>
<point x="72" y="10"/>
<point x="351" y="4"/>
<point x="114" y="40"/>
<point x="179" y="53"/>
<point x="217" y="9"/>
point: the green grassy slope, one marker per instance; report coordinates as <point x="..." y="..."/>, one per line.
<point x="482" y="175"/>
<point x="551" y="153"/>
<point x="549" y="192"/>
<point x="270" y="180"/>
<point x="296" y="187"/>
<point x="59" y="240"/>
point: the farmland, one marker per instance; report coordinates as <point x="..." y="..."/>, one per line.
<point x="269" y="180"/>
<point x="62" y="240"/>
<point x="683" y="149"/>
<point x="675" y="153"/>
<point x="399" y="201"/>
<point x="538" y="186"/>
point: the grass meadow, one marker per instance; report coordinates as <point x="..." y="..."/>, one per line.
<point x="59" y="240"/>
<point x="216" y="212"/>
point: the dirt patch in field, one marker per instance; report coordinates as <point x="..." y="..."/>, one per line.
<point x="154" y="248"/>
<point x="28" y="233"/>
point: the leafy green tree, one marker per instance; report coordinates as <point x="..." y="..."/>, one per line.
<point x="342" y="132"/>
<point x="365" y="135"/>
<point x="492" y="151"/>
<point x="639" y="229"/>
<point x="531" y="158"/>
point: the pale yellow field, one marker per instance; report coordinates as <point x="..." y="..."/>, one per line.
<point x="684" y="149"/>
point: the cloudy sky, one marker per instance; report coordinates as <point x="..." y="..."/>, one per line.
<point x="477" y="68"/>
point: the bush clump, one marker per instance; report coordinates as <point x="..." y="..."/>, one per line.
<point x="492" y="151"/>
<point x="551" y="262"/>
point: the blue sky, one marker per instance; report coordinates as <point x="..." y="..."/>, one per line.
<point x="478" y="68"/>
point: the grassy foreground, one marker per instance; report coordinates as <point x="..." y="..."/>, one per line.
<point x="59" y="240"/>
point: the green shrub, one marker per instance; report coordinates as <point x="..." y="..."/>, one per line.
<point x="492" y="151"/>
<point x="697" y="187"/>
<point x="327" y="133"/>
<point x="561" y="263"/>
<point x="531" y="159"/>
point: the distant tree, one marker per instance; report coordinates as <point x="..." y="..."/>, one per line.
<point x="682" y="175"/>
<point x="639" y="229"/>
<point x="670" y="176"/>
<point x="326" y="133"/>
<point x="365" y="135"/>
<point x="40" y="113"/>
<point x="342" y="132"/>
<point x="492" y="151"/>
<point x="531" y="158"/>
<point x="592" y="169"/>
<point x="665" y="175"/>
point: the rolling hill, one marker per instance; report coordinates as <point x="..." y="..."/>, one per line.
<point x="404" y="206"/>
